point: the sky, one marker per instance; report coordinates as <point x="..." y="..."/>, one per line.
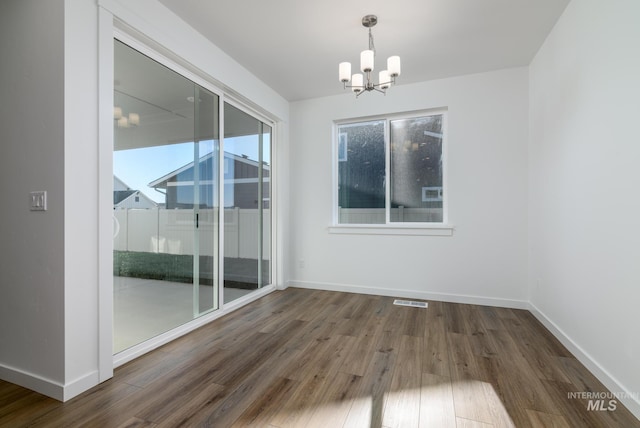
<point x="139" y="167"/>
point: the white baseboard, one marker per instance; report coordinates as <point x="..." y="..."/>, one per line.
<point x="49" y="387"/>
<point x="81" y="385"/>
<point x="626" y="396"/>
<point x="34" y="382"/>
<point x="413" y="294"/>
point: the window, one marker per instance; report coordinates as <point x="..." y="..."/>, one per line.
<point x="390" y="170"/>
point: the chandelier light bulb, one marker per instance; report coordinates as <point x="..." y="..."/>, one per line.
<point x="357" y="82"/>
<point x="366" y="60"/>
<point x="134" y="119"/>
<point x="344" y="70"/>
<point x="123" y="122"/>
<point x="393" y="66"/>
<point x="384" y="80"/>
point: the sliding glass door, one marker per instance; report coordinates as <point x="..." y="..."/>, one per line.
<point x="166" y="199"/>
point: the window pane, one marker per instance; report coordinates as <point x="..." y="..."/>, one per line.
<point x="416" y="169"/>
<point x="361" y="173"/>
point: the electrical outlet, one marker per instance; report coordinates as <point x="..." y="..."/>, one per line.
<point x="38" y="201"/>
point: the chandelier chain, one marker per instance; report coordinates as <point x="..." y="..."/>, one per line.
<point x="372" y="47"/>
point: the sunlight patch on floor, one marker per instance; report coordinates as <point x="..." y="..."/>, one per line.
<point x="477" y="401"/>
<point x="438" y="403"/>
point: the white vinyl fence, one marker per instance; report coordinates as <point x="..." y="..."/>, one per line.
<point x="159" y="230"/>
<point x="377" y="215"/>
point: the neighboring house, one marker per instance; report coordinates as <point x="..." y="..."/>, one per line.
<point x="125" y="197"/>
<point x="241" y="176"/>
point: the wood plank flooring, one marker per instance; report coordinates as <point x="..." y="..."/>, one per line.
<point x="306" y="358"/>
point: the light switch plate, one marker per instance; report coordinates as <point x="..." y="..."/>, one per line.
<point x="38" y="201"/>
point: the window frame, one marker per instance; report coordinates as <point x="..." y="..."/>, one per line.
<point x="443" y="228"/>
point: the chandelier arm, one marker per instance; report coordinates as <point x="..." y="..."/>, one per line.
<point x="390" y="82"/>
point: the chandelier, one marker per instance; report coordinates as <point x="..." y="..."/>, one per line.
<point x="133" y="119"/>
<point x="367" y="59"/>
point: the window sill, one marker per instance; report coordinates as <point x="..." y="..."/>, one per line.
<point x="385" y="229"/>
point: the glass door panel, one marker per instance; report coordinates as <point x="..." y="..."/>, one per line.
<point x="247" y="192"/>
<point x="166" y="152"/>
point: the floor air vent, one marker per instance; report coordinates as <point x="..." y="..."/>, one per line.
<point x="411" y="303"/>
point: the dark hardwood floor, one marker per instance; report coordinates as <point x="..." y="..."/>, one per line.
<point x="304" y="358"/>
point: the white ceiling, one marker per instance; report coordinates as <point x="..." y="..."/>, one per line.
<point x="294" y="46"/>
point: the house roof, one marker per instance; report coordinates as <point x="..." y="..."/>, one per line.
<point x="162" y="180"/>
<point x="118" y="183"/>
<point x="121" y="195"/>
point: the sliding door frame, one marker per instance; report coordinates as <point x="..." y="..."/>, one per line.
<point x="110" y="29"/>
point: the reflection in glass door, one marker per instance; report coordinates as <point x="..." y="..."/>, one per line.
<point x="247" y="203"/>
<point x="166" y="208"/>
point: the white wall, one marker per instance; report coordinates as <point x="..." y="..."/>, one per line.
<point x="584" y="199"/>
<point x="32" y="244"/>
<point x="486" y="258"/>
<point x="48" y="322"/>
